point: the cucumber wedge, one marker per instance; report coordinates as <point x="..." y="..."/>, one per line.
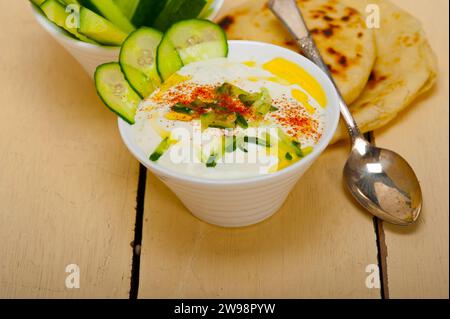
<point x="116" y="93"/>
<point x="99" y="29"/>
<point x="141" y="12"/>
<point x="178" y="10"/>
<point x="70" y="1"/>
<point x="38" y="2"/>
<point x="190" y="41"/>
<point x="138" y="60"/>
<point x="56" y="12"/>
<point x="128" y="7"/>
<point x="207" y="10"/>
<point x="110" y="11"/>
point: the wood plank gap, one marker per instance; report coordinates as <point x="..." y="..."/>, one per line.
<point x="382" y="257"/>
<point x="381" y="244"/>
<point x="137" y="242"/>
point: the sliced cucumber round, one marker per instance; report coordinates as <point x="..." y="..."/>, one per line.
<point x="116" y="93"/>
<point x="190" y="41"/>
<point x="138" y="60"/>
<point x="168" y="60"/>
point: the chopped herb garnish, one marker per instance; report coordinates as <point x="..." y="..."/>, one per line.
<point x="215" y="120"/>
<point x="216" y="107"/>
<point x="264" y="103"/>
<point x="224" y="89"/>
<point x="242" y="144"/>
<point x="181" y="108"/>
<point x="289" y="156"/>
<point x="211" y="162"/>
<point x="197" y="103"/>
<point x="217" y="126"/>
<point x="230" y="144"/>
<point x="230" y="89"/>
<point x="273" y="109"/>
<point x="257" y="141"/>
<point x="155" y="157"/>
<point x="161" y="149"/>
<point x="298" y="148"/>
<point x="249" y="99"/>
<point x="241" y="121"/>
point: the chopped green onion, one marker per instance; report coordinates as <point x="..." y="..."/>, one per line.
<point x="289" y="156"/>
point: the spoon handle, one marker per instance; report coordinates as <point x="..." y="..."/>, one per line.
<point x="289" y="14"/>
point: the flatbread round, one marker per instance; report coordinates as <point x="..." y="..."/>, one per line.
<point x="340" y="32"/>
<point x="405" y="68"/>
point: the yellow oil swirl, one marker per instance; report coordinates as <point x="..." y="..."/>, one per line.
<point x="174" y="80"/>
<point x="303" y="98"/>
<point x="296" y="75"/>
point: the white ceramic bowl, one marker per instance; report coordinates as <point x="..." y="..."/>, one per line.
<point x="235" y="203"/>
<point x="87" y="54"/>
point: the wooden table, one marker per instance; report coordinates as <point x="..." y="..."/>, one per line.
<point x="70" y="193"/>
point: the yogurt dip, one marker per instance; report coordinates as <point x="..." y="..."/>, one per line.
<point x="225" y="119"/>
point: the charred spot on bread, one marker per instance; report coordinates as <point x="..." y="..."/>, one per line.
<point x="343" y="61"/>
<point x="328" y="32"/>
<point x="226" y="22"/>
<point x="375" y="79"/>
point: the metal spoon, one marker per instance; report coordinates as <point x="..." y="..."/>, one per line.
<point x="380" y="180"/>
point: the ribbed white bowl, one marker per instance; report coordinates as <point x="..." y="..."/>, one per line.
<point x="235" y="203"/>
<point x="87" y="54"/>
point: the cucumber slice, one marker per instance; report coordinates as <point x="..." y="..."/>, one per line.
<point x="115" y="91"/>
<point x="138" y="60"/>
<point x="190" y="41"/>
<point x="100" y="29"/>
<point x="207" y="10"/>
<point x="56" y="12"/>
<point x="110" y="11"/>
<point x="178" y="10"/>
<point x="161" y="149"/>
<point x="168" y="60"/>
<point x="197" y="40"/>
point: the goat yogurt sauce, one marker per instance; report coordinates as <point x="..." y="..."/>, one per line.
<point x="223" y="119"/>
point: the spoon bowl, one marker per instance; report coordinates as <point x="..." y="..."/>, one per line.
<point x="384" y="183"/>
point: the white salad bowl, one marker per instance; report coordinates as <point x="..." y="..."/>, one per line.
<point x="91" y="55"/>
<point x="243" y="202"/>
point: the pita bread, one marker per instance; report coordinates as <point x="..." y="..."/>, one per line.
<point x="340" y="32"/>
<point x="405" y="68"/>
